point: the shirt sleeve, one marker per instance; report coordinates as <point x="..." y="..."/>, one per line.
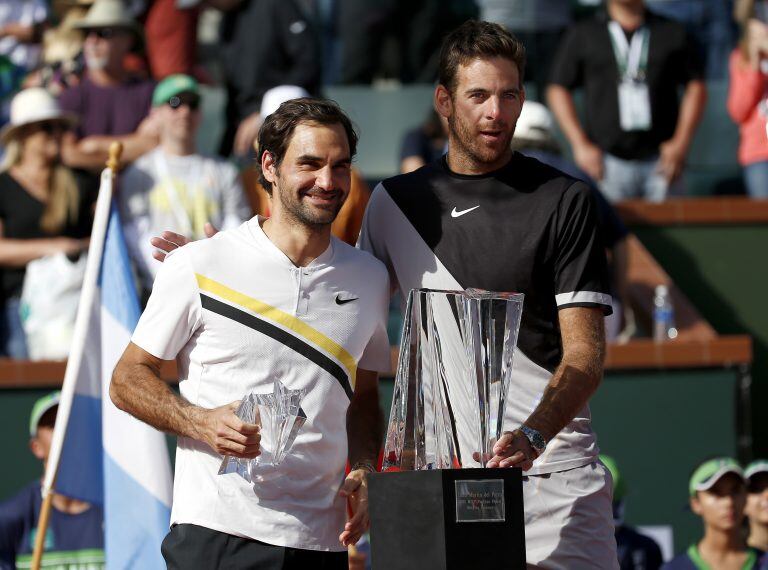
<point x="580" y="266"/>
<point x="173" y="312"/>
<point x="567" y="69"/>
<point x="376" y="356"/>
<point x="372" y="231"/>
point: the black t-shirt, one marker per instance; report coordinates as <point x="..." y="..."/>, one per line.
<point x="637" y="551"/>
<point x="21" y="214"/>
<point x="586" y="59"/>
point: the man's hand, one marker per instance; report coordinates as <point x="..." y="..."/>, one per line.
<point x="168" y="241"/>
<point x="355" y="490"/>
<point x="229" y="435"/>
<point x="246" y="134"/>
<point x="671" y="160"/>
<point x="589" y="158"/>
<point x="513" y="450"/>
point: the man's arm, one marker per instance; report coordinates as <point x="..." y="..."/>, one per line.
<point x="91" y="153"/>
<point x="587" y="155"/>
<point x="137" y="389"/>
<point x="364" y="421"/>
<point x="672" y="153"/>
<point x="573" y="383"/>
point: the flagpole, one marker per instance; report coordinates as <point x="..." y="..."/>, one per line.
<point x="90" y="281"/>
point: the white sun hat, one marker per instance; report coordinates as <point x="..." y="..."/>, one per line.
<point x="108" y="14"/>
<point x="33" y="105"/>
<point x="278" y="95"/>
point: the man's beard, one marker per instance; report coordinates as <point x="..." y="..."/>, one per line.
<point x="304" y="214"/>
<point x="466" y="142"/>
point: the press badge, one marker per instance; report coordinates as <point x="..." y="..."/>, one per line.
<point x="634" y="105"/>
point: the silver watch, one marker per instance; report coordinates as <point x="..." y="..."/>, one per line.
<point x="538" y="443"/>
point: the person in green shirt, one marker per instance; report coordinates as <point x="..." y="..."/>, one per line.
<point x="718" y="494"/>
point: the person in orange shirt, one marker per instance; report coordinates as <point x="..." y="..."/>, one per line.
<point x="747" y="102"/>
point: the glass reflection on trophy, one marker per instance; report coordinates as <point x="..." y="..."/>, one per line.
<point x="280" y="417"/>
<point x="453" y="374"/>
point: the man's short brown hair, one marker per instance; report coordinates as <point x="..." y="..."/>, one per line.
<point x="478" y="40"/>
<point x="276" y="132"/>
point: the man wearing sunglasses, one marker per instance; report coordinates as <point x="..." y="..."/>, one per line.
<point x="173" y="187"/>
<point x="110" y="103"/>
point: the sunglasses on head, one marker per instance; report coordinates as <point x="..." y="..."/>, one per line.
<point x="189" y="99"/>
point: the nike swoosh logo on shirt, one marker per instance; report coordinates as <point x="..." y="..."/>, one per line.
<point x="456" y="214"/>
<point x="340" y="301"/>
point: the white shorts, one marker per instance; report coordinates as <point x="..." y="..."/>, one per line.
<point x="569" y="521"/>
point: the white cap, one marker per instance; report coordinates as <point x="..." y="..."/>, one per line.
<point x="535" y="123"/>
<point x="109" y="14"/>
<point x="33" y="105"/>
<point x="278" y="95"/>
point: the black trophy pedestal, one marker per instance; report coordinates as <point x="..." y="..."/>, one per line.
<point x="448" y="519"/>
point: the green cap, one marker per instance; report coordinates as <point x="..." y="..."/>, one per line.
<point x="41" y="406"/>
<point x="756" y="467"/>
<point x="174" y="85"/>
<point x="619" y="486"/>
<point x="711" y="471"/>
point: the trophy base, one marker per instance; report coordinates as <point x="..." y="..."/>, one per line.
<point x="447" y="519"/>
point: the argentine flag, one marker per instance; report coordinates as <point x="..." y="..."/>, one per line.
<point x="104" y="455"/>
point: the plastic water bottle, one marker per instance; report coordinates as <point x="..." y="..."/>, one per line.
<point x="663" y="315"/>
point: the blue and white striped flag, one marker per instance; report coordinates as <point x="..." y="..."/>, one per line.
<point x="104" y="455"/>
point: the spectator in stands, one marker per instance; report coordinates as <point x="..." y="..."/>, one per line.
<point x="44" y="209"/>
<point x="718" y="494"/>
<point x="534" y="137"/>
<point x="172" y="187"/>
<point x="265" y="43"/>
<point x="636" y="551"/>
<point x="757" y="504"/>
<point x="75" y="535"/>
<point x="170" y="28"/>
<point x="424" y="144"/>
<point x="21" y="28"/>
<point x="539" y="24"/>
<point x="636" y="132"/>
<point x="347" y="224"/>
<point x="747" y="103"/>
<point x="110" y="103"/>
<point x="710" y="25"/>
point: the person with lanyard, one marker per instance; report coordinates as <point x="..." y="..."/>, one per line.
<point x="637" y="131"/>
<point x="718" y="494"/>
<point x="174" y="187"/>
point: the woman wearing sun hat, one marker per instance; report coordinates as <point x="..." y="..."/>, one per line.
<point x="43" y="211"/>
<point x="718" y="493"/>
<point x="756" y="474"/>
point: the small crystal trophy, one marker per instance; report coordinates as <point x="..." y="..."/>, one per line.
<point x="452" y="378"/>
<point x="281" y="418"/>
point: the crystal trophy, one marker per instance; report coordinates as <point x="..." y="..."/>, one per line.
<point x="452" y="379"/>
<point x="281" y="418"/>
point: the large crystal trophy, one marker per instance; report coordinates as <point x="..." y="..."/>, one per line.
<point x="453" y="374"/>
<point x="281" y="418"/>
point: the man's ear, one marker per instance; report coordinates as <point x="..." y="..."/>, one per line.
<point x="36" y="448"/>
<point x="442" y="101"/>
<point x="269" y="166"/>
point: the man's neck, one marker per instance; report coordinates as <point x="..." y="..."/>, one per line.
<point x="176" y="147"/>
<point x="758" y="536"/>
<point x="107" y="77"/>
<point x="301" y="244"/>
<point x="460" y="163"/>
<point x="630" y="16"/>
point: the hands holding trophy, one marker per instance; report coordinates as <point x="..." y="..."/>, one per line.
<point x="281" y="418"/>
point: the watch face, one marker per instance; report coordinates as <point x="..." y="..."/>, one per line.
<point x="537" y="440"/>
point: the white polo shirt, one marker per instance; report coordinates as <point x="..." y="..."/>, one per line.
<point x="237" y="313"/>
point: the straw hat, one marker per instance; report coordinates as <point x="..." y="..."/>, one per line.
<point x="33" y="105"/>
<point x="108" y="14"/>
